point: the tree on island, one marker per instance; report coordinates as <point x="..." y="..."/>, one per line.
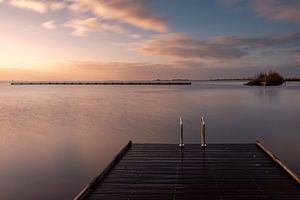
<point x="267" y="79"/>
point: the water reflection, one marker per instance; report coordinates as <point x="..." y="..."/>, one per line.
<point x="268" y="93"/>
<point x="57" y="138"/>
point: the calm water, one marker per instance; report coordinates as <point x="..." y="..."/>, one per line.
<point x="55" y="139"/>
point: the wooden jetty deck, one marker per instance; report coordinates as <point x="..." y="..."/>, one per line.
<point x="215" y="172"/>
<point x="102" y="83"/>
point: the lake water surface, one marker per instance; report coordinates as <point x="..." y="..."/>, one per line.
<point x="55" y="139"/>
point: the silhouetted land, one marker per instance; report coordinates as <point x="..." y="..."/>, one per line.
<point x="267" y="79"/>
<point x="292" y="79"/>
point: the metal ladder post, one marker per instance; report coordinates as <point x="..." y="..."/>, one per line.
<point x="181" y="144"/>
<point x="202" y="132"/>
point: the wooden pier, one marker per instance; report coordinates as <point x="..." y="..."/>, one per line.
<point x="102" y="83"/>
<point x="215" y="172"/>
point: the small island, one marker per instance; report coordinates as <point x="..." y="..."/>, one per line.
<point x="267" y="79"/>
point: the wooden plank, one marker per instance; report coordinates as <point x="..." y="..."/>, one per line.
<point x="219" y="171"/>
<point x="91" y="186"/>
<point x="281" y="164"/>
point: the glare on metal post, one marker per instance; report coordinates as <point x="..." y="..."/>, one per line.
<point x="202" y="133"/>
<point x="181" y="132"/>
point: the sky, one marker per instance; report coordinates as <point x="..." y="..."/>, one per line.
<point x="148" y="39"/>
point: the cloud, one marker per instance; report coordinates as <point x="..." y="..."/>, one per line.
<point x="183" y="46"/>
<point x="81" y="27"/>
<point x="297" y="57"/>
<point x="132" y="12"/>
<point x="39" y="6"/>
<point x="283" y="39"/>
<point x="125" y="70"/>
<point x="89" y="70"/>
<point x="112" y="15"/>
<point x="56" y="5"/>
<point x="48" y="24"/>
<point x="231" y="1"/>
<point x="275" y="10"/>
<point x="99" y="70"/>
<point x="218" y="48"/>
<point x="278" y="10"/>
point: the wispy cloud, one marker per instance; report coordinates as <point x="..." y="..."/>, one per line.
<point x="222" y="47"/>
<point x="116" y="16"/>
<point x="50" y="24"/>
<point x="183" y="46"/>
<point x="297" y="57"/>
<point x="81" y="27"/>
<point x="100" y="70"/>
<point x="173" y="69"/>
<point x="56" y="5"/>
<point x="275" y="10"/>
<point x="134" y="12"/>
<point x="278" y="10"/>
<point x="39" y="6"/>
<point x="273" y="40"/>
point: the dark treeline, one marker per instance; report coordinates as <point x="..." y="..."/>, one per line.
<point x="292" y="79"/>
<point x="267" y="79"/>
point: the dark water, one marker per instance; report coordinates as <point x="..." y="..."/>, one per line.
<point x="55" y="139"/>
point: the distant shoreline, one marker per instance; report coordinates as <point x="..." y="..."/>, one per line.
<point x="287" y="80"/>
<point x="101" y="83"/>
<point x="141" y="81"/>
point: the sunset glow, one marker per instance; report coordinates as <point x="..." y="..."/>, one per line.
<point x="140" y="39"/>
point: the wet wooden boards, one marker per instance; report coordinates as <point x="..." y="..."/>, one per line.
<point x="217" y="172"/>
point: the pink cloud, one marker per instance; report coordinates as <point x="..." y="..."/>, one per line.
<point x="38" y="5"/>
<point x="133" y="12"/>
<point x="275" y="10"/>
<point x="117" y="14"/>
<point x="297" y="57"/>
<point x="81" y="27"/>
<point x="219" y="48"/>
<point x="278" y="10"/>
<point x="50" y="24"/>
<point x="183" y="46"/>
